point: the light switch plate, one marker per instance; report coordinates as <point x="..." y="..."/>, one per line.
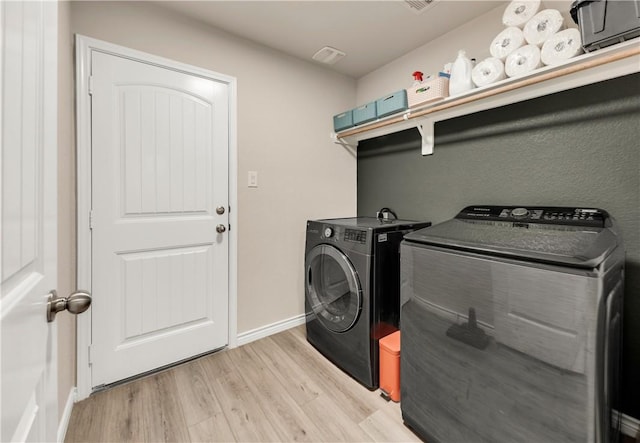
<point x="253" y="179"/>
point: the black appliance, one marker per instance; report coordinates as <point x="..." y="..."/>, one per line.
<point x="511" y="326"/>
<point x="352" y="275"/>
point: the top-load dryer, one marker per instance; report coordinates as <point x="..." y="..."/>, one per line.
<point x="352" y="286"/>
<point x="511" y="326"/>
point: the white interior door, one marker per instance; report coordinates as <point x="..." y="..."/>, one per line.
<point x="28" y="222"/>
<point x="159" y="194"/>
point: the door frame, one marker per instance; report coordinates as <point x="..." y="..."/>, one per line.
<point x="84" y="48"/>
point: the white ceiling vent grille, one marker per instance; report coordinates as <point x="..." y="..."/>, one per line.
<point x="328" y="55"/>
<point x="419" y="6"/>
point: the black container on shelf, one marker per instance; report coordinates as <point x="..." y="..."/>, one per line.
<point x="606" y="22"/>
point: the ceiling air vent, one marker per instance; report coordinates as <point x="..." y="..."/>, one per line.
<point x="328" y="55"/>
<point x="419" y="6"/>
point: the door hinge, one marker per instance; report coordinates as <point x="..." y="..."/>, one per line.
<point x="90" y="360"/>
<point x="91" y="85"/>
<point x="90" y="219"/>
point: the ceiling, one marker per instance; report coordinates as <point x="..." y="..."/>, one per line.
<point x="371" y="33"/>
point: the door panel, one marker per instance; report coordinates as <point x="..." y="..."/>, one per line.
<point x="166" y="156"/>
<point x="28" y="222"/>
<point x="151" y="277"/>
<point x="159" y="167"/>
<point x="22" y="128"/>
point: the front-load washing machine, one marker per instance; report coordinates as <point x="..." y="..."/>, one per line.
<point x="352" y="269"/>
<point x="511" y="326"/>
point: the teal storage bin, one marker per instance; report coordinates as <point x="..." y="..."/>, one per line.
<point x="365" y="113"/>
<point x="343" y="121"/>
<point x="392" y="103"/>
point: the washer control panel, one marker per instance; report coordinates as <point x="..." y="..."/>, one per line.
<point x="555" y="215"/>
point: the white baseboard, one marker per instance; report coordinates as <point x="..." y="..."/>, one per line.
<point x="66" y="415"/>
<point x="267" y="330"/>
<point x="630" y="426"/>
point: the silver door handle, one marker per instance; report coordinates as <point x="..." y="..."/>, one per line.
<point x="220" y="210"/>
<point x="221" y="228"/>
<point x="76" y="303"/>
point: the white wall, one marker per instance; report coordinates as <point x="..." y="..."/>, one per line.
<point x="474" y="37"/>
<point x="284" y="121"/>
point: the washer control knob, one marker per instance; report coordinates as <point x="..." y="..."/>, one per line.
<point x="328" y="232"/>
<point x="520" y="212"/>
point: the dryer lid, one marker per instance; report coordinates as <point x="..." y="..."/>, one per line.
<point x="578" y="237"/>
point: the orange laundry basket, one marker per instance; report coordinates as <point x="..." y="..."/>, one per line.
<point x="390" y="366"/>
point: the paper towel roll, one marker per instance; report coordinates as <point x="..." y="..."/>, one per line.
<point x="488" y="71"/>
<point x="542" y="26"/>
<point x="522" y="61"/>
<point x="561" y="47"/>
<point x="520" y="12"/>
<point x="506" y="42"/>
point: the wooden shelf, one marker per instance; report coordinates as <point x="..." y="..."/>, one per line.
<point x="612" y="62"/>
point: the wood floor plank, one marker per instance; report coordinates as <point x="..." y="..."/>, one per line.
<point x="382" y="426"/>
<point x="246" y="419"/>
<point x="164" y="419"/>
<point x="123" y="417"/>
<point x="86" y="422"/>
<point x="198" y="402"/>
<point x="299" y="332"/>
<point x="330" y="378"/>
<point x="286" y="370"/>
<point x="215" y="428"/>
<point x="335" y="425"/>
<point x="203" y="414"/>
<point x="291" y="423"/>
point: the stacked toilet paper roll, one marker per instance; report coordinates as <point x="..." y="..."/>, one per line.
<point x="488" y="71"/>
<point x="522" y="61"/>
<point x="506" y="42"/>
<point x="542" y="26"/>
<point x="561" y="47"/>
<point x="520" y="12"/>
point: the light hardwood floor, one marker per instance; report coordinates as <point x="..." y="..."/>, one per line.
<point x="275" y="389"/>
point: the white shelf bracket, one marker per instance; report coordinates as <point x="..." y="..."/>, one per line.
<point x="426" y="131"/>
<point x="342" y="142"/>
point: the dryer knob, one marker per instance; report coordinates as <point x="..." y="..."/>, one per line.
<point x="328" y="232"/>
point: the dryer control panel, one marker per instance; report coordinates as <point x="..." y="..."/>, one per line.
<point x="355" y="235"/>
<point x="554" y="215"/>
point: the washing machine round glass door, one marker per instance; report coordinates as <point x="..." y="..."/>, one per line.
<point x="333" y="289"/>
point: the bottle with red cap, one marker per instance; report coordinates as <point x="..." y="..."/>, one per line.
<point x="417" y="79"/>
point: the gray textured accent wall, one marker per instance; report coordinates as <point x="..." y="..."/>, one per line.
<point x="575" y="148"/>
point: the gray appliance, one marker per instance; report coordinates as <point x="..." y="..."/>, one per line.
<point x="352" y="286"/>
<point x="511" y="326"/>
